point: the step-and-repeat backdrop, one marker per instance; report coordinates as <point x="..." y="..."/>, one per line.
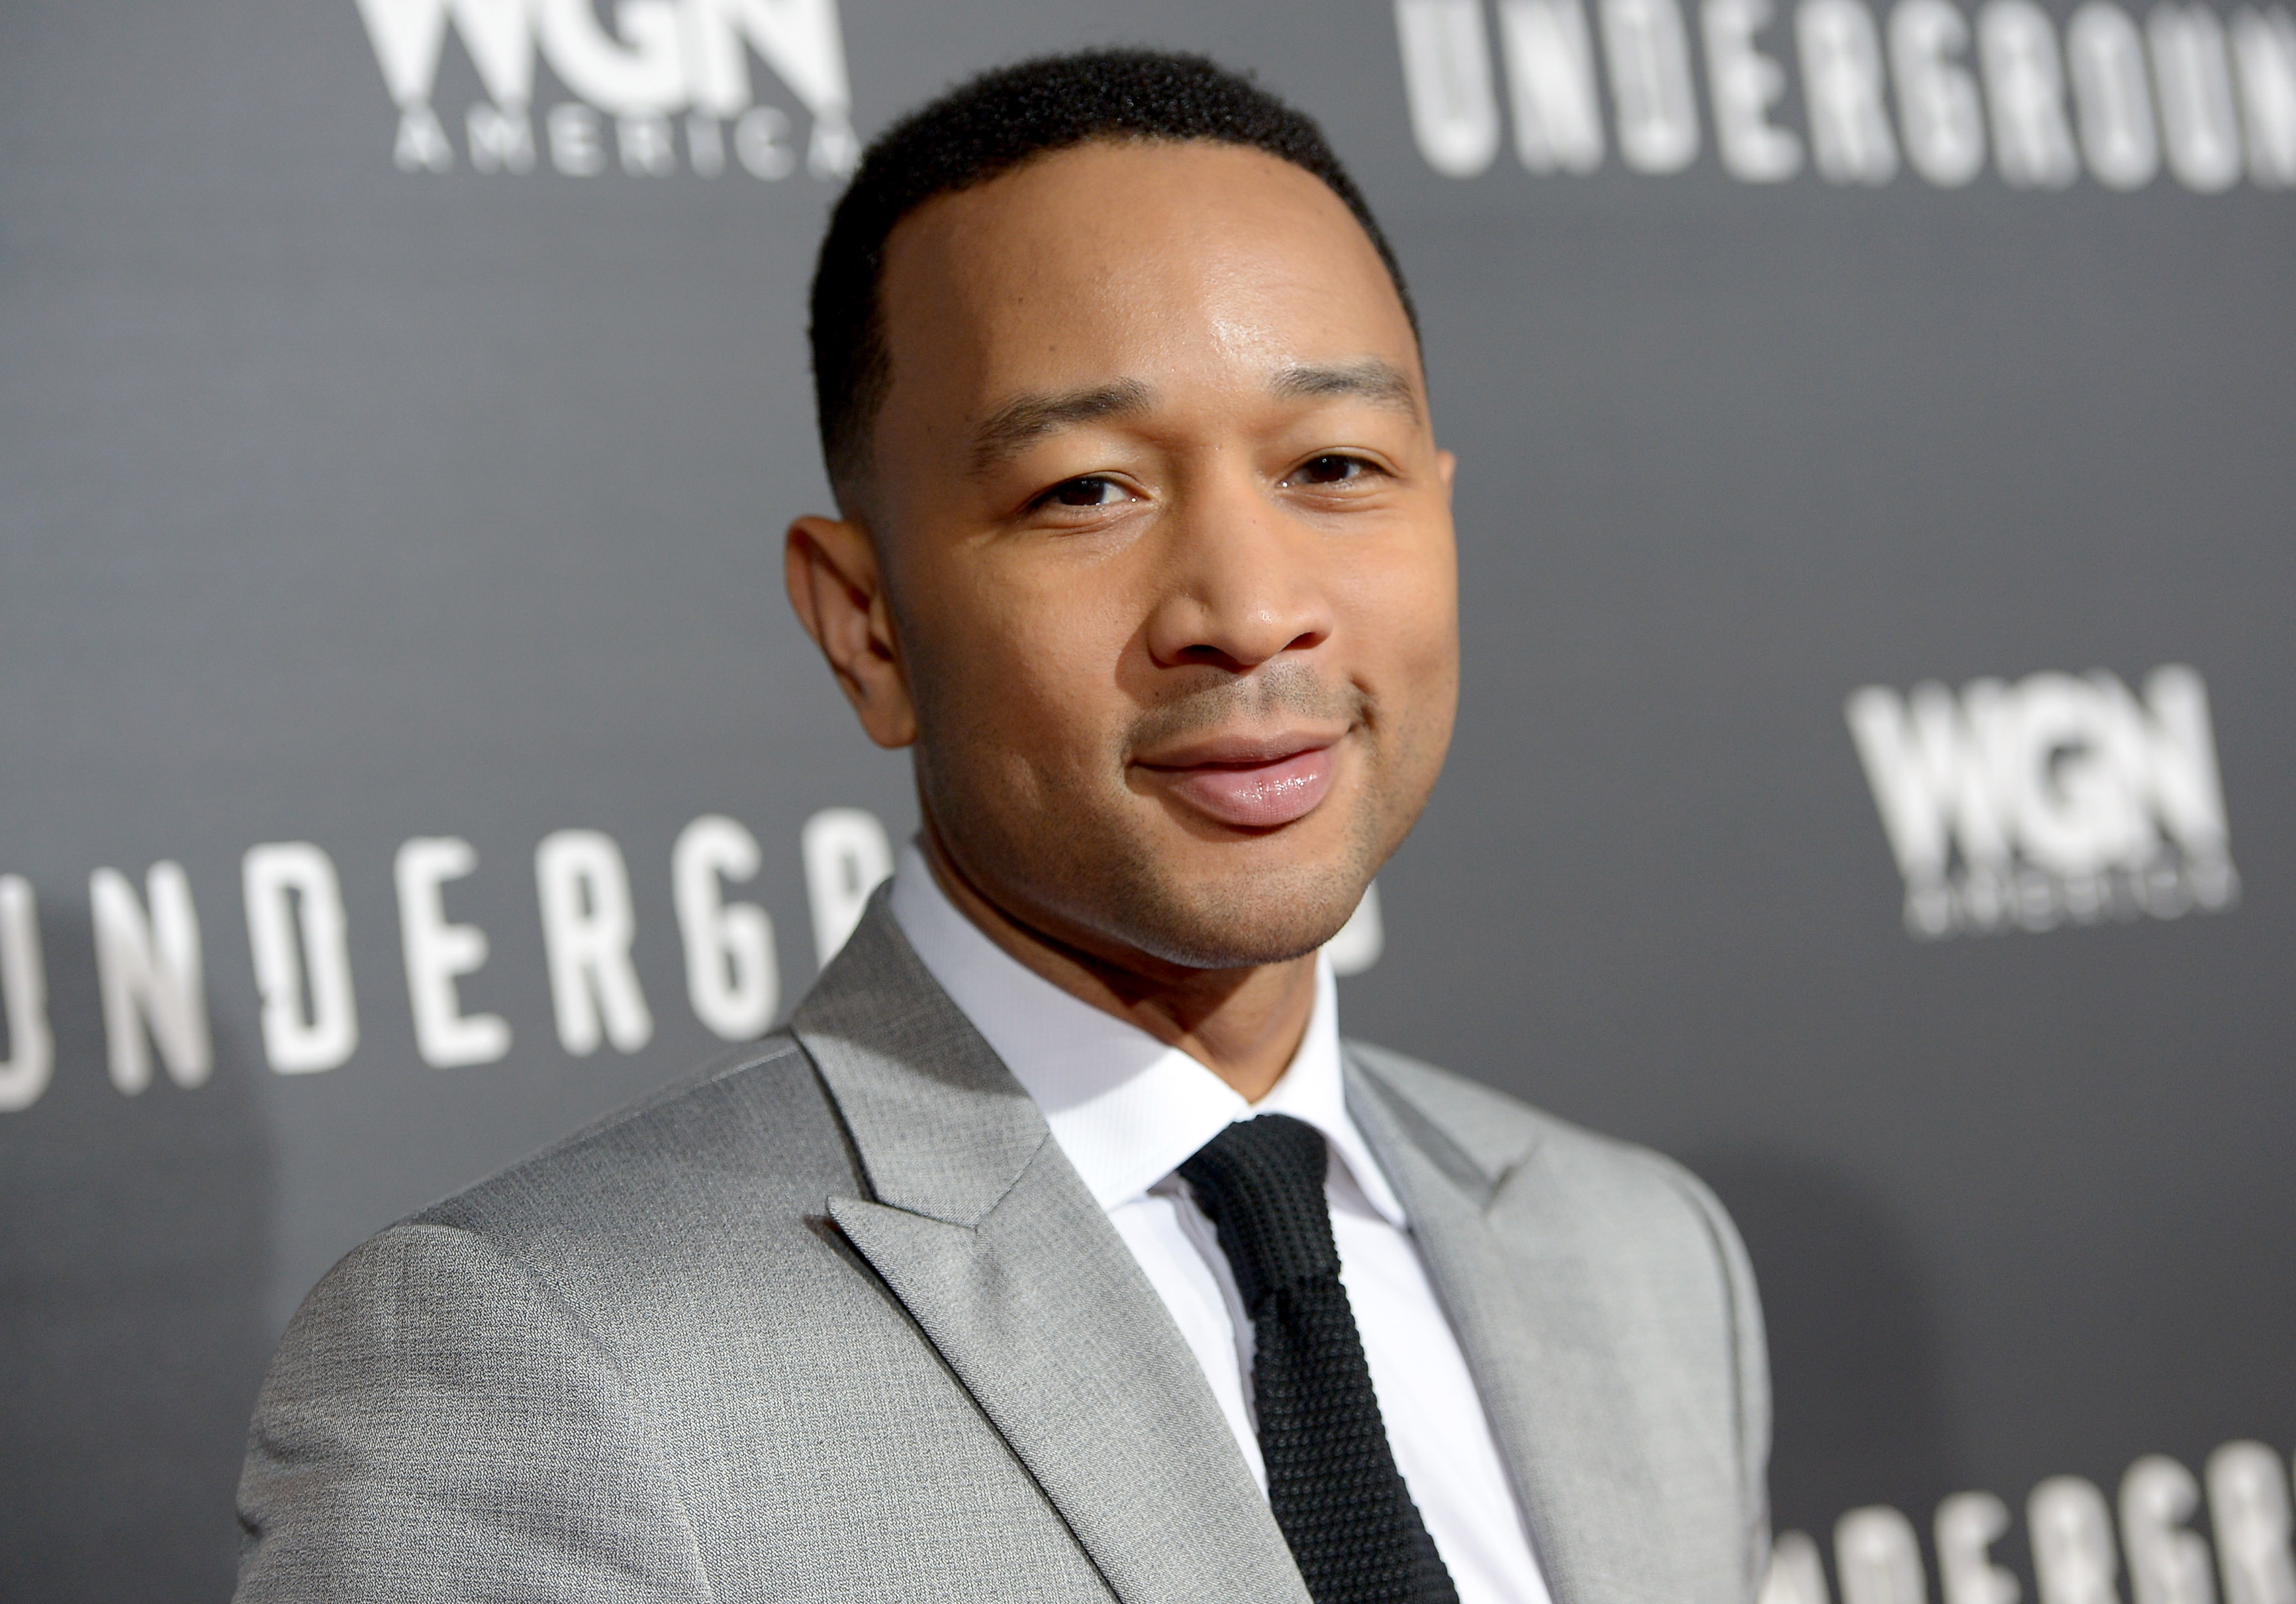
<point x="1874" y="782"/>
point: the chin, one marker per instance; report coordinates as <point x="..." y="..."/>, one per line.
<point x="1227" y="920"/>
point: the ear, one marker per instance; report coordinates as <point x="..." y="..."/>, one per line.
<point x="839" y="592"/>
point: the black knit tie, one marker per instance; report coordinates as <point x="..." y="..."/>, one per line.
<point x="1332" y="1479"/>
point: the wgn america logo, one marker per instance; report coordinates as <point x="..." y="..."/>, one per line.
<point x="667" y="88"/>
<point x="1924" y="84"/>
<point x="2057" y="800"/>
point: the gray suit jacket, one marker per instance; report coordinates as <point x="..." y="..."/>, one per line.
<point x="837" y="1320"/>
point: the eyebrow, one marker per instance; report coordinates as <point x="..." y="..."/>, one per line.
<point x="1025" y="419"/>
<point x="1372" y="379"/>
<point x="1006" y="431"/>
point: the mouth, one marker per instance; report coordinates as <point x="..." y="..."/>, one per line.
<point x="1249" y="783"/>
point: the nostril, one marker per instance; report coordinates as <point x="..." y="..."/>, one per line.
<point x="1207" y="653"/>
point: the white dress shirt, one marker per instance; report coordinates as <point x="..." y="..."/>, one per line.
<point x="1127" y="1110"/>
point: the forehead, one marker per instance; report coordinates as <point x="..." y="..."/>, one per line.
<point x="1164" y="260"/>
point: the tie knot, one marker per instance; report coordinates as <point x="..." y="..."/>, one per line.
<point x="1261" y="1181"/>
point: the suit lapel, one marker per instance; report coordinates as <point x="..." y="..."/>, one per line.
<point x="1527" y="1317"/>
<point x="981" y="1228"/>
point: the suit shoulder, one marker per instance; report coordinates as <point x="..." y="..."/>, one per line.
<point x="756" y="1115"/>
<point x="582" y="1244"/>
<point x="1490" y="1126"/>
<point x="1496" y="1130"/>
<point x="1485" y="1123"/>
<point x="1661" y="1259"/>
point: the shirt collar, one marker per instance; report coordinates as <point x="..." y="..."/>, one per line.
<point x="1125" y="1109"/>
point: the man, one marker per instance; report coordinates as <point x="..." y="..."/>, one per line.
<point x="1059" y="1249"/>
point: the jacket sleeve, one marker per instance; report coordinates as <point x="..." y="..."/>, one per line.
<point x="436" y="1425"/>
<point x="1750" y="1353"/>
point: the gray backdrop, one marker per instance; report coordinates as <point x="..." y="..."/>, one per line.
<point x="349" y="504"/>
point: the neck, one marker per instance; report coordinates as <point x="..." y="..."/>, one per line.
<point x="1242" y="1025"/>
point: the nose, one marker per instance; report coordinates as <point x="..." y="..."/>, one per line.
<point x="1244" y="583"/>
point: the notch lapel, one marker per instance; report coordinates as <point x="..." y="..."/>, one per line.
<point x="990" y="1240"/>
<point x="1527" y="1317"/>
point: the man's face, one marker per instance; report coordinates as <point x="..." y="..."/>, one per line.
<point x="1168" y="545"/>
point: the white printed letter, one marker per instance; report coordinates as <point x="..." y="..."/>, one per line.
<point x="2071" y="1532"/>
<point x="23" y="998"/>
<point x="799" y="39"/>
<point x="2197" y="119"/>
<point x="846" y="856"/>
<point x="2247" y="1506"/>
<point x="2026" y="84"/>
<point x="586" y="929"/>
<point x="1558" y="118"/>
<point x="1797" y="1575"/>
<point x="438" y="952"/>
<point x="1967" y="1525"/>
<point x="2168" y="761"/>
<point x="731" y="975"/>
<point x="1841" y="83"/>
<point x="295" y="928"/>
<point x="422" y="145"/>
<point x="408" y="34"/>
<point x="1447" y="79"/>
<point x="1937" y="99"/>
<point x="1649" y="56"/>
<point x="1878" y="1558"/>
<point x="2052" y="741"/>
<point x="2113" y="95"/>
<point x="150" y="973"/>
<point x="500" y="141"/>
<point x="2264" y="50"/>
<point x="1743" y="84"/>
<point x="2168" y="1564"/>
<point x="574" y="148"/>
<point x="645" y="74"/>
<point x="1930" y="778"/>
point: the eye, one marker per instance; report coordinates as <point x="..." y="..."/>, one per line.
<point x="1091" y="490"/>
<point x="1332" y="468"/>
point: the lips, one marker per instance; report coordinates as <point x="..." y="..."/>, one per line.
<point x="1257" y="790"/>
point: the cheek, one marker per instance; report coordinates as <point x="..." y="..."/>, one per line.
<point x="1023" y="672"/>
<point x="1402" y="602"/>
<point x="1406" y="621"/>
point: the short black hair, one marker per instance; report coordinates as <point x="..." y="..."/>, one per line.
<point x="990" y="125"/>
